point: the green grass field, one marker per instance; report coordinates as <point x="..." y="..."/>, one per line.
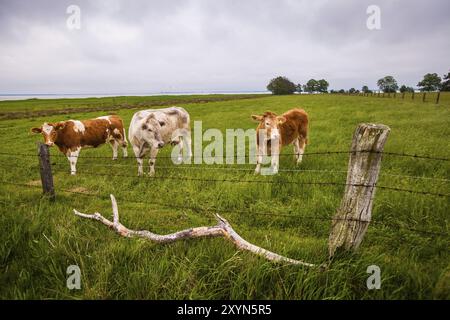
<point x="32" y="108"/>
<point x="40" y="239"/>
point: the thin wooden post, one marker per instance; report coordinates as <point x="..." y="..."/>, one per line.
<point x="438" y="96"/>
<point x="354" y="214"/>
<point x="46" y="170"/>
<point x="412" y="97"/>
<point x="423" y="97"/>
<point x="403" y="96"/>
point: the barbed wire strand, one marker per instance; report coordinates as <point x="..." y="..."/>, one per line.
<point x="327" y="183"/>
<point x="236" y="211"/>
<point x="246" y="156"/>
<point x="249" y="169"/>
<point x="215" y="168"/>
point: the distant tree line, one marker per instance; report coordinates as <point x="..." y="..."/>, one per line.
<point x="388" y="84"/>
<point x="430" y="82"/>
<point x="282" y="85"/>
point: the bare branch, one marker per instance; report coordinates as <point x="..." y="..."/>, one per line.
<point x="222" y="229"/>
<point x="243" y="244"/>
<point x="95" y="216"/>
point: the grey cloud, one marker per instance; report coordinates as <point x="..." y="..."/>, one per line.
<point x="145" y="46"/>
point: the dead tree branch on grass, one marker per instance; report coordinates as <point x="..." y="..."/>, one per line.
<point x="222" y="229"/>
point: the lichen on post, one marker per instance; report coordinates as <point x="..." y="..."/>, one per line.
<point x="355" y="212"/>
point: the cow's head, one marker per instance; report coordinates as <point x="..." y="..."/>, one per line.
<point x="270" y="122"/>
<point x="151" y="131"/>
<point x="49" y="131"/>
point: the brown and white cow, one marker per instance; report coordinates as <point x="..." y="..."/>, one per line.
<point x="274" y="132"/>
<point x="72" y="135"/>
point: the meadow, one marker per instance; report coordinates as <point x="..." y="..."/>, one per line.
<point x="31" y="108"/>
<point x="410" y="244"/>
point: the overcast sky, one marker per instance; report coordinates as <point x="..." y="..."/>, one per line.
<point x="152" y="46"/>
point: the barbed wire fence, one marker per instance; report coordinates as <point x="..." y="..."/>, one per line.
<point x="110" y="174"/>
<point x="233" y="169"/>
<point x="398" y="154"/>
<point x="224" y="211"/>
<point x="56" y="168"/>
<point x="434" y="97"/>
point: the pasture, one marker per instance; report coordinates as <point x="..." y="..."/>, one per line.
<point x="40" y="239"/>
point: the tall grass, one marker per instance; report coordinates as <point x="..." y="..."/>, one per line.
<point x="40" y="239"/>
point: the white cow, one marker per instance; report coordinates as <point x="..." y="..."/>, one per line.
<point x="152" y="129"/>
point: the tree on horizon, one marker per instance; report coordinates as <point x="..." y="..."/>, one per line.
<point x="430" y="82"/>
<point x="388" y="84"/>
<point x="281" y="85"/>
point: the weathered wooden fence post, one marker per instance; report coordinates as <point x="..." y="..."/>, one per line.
<point x="354" y="214"/>
<point x="46" y="170"/>
<point x="423" y="97"/>
<point x="438" y="96"/>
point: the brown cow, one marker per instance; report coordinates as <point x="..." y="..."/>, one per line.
<point x="72" y="135"/>
<point x="290" y="127"/>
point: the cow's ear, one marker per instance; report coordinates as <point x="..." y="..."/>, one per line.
<point x="59" y="125"/>
<point x="281" y="119"/>
<point x="257" y="118"/>
<point x="36" y="130"/>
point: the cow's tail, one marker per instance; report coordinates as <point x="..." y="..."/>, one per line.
<point x="303" y="132"/>
<point x="307" y="134"/>
<point x="125" y="141"/>
<point x="306" y="128"/>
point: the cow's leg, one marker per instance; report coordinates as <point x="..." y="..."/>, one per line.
<point x="140" y="159"/>
<point x="73" y="158"/>
<point x="124" y="150"/>
<point x="259" y="158"/>
<point x="115" y="146"/>
<point x="152" y="160"/>
<point x="124" y="144"/>
<point x="181" y="146"/>
<point x="296" y="145"/>
<point x="301" y="148"/>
